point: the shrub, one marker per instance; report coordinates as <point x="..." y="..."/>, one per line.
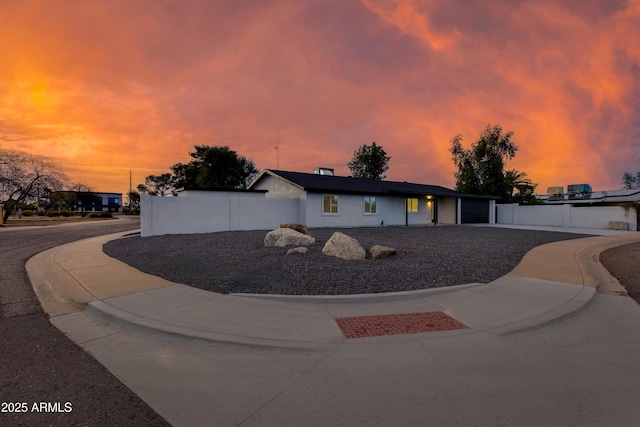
<point x="67" y="213"/>
<point x="53" y="214"/>
<point x="27" y="213"/>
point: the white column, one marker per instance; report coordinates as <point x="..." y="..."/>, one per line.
<point x="492" y="211"/>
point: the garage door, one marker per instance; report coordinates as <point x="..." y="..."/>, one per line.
<point x="475" y="211"/>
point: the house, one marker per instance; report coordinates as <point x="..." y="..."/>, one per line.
<point x="595" y="198"/>
<point x="339" y="201"/>
<point x="314" y="199"/>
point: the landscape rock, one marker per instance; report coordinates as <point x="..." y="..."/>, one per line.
<point x="281" y="237"/>
<point x="300" y="228"/>
<point x="298" y="250"/>
<point x="618" y="225"/>
<point x="342" y="246"/>
<point x="379" y="251"/>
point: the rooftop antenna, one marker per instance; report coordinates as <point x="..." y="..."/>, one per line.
<point x="277" y="148"/>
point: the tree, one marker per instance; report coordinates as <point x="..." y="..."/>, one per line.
<point x="157" y="185"/>
<point x="630" y="181"/>
<point x="179" y="176"/>
<point x="515" y="180"/>
<point x="518" y="181"/>
<point x="133" y="208"/>
<point x="214" y="168"/>
<point x="481" y="167"/>
<point x="369" y="161"/>
<point x="24" y="177"/>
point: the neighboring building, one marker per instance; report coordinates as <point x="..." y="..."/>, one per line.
<point x="87" y="201"/>
<point x="599" y="198"/>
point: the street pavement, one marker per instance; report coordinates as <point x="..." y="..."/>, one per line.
<point x="554" y="342"/>
<point x="45" y="378"/>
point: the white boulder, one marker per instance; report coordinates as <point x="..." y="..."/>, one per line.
<point x="281" y="237"/>
<point x="298" y="250"/>
<point x="379" y="251"/>
<point x="342" y="246"/>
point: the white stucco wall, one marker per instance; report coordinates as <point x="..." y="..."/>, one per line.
<point x="207" y="212"/>
<point x="597" y="217"/>
<point x="389" y="210"/>
<point x="192" y="215"/>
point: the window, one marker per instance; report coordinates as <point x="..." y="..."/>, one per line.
<point x="369" y="205"/>
<point x="411" y="205"/>
<point x="330" y="204"/>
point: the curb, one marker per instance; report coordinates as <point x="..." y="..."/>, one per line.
<point x="117" y="316"/>
<point x="481" y="294"/>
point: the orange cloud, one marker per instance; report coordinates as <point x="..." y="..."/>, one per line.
<point x="403" y="14"/>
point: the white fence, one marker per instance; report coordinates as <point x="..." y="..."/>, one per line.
<point x="597" y="217"/>
<point x="190" y="215"/>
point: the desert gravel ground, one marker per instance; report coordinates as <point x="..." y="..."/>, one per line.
<point x="427" y="257"/>
<point x="623" y="262"/>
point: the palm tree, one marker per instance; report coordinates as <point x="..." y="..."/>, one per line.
<point x="515" y="180"/>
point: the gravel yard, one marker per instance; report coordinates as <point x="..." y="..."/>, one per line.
<point x="427" y="257"/>
<point x="623" y="262"/>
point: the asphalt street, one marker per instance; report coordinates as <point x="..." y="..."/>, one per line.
<point x="45" y="378"/>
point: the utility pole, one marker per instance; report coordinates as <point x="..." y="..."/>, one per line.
<point x="277" y="148"/>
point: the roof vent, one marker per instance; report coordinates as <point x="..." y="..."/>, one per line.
<point x="579" y="189"/>
<point x="555" y="191"/>
<point x="323" y="171"/>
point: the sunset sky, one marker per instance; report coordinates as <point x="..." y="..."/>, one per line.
<point x="105" y="87"/>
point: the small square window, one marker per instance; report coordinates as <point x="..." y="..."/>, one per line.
<point x="330" y="204"/>
<point x="370" y="207"/>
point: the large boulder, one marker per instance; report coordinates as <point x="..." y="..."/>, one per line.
<point x="301" y="228"/>
<point x="342" y="246"/>
<point x="379" y="251"/>
<point x="281" y="237"/>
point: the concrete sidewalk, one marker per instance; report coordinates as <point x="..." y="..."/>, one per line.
<point x="553" y="291"/>
<point x="551" y="282"/>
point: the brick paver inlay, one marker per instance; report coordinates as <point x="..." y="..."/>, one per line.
<point x="395" y="324"/>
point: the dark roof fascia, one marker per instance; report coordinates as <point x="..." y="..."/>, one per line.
<point x="220" y="190"/>
<point x="479" y="196"/>
<point x="314" y="183"/>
